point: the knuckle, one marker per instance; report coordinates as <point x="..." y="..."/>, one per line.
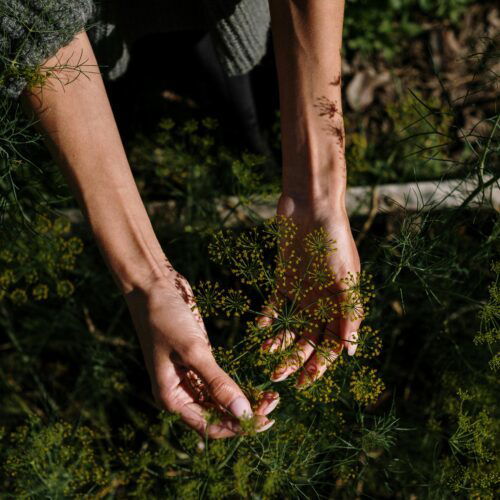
<point x="221" y="386"/>
<point x="194" y="352"/>
<point x="164" y="400"/>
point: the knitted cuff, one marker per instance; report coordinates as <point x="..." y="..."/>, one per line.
<point x="239" y="29"/>
<point x="31" y="31"/>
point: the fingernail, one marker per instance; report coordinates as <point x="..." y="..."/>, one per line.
<point x="274" y="346"/>
<point x="272" y="406"/>
<point x="352" y="345"/>
<point x="240" y="408"/>
<point x="311" y="370"/>
<point x="266" y="426"/>
<point x="302" y="383"/>
<point x="263" y="322"/>
<point x="278" y="376"/>
<point x="267" y="345"/>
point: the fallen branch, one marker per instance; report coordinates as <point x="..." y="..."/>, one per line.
<point x="360" y="200"/>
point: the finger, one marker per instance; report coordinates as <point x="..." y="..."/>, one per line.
<point x="194" y="416"/>
<point x="348" y="332"/>
<point x="200" y="393"/>
<point x="268" y="403"/>
<point x="175" y="389"/>
<point x="192" y="398"/>
<point x="324" y="356"/>
<point x="267" y="315"/>
<point x="352" y="315"/>
<point x="231" y="427"/>
<point x="280" y="342"/>
<point x="222" y="388"/>
<point x="265" y="320"/>
<point x="263" y="423"/>
<point x="177" y="398"/>
<point x="304" y="348"/>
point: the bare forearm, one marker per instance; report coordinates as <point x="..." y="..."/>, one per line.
<point x="80" y="130"/>
<point x="307" y="37"/>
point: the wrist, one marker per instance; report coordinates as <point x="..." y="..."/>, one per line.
<point x="144" y="284"/>
<point x="314" y="187"/>
<point x="127" y="241"/>
<point x="317" y="193"/>
<point x="314" y="167"/>
<point x="141" y="275"/>
<point x="305" y="207"/>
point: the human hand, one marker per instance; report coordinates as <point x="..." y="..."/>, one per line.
<point x="317" y="349"/>
<point x="184" y="375"/>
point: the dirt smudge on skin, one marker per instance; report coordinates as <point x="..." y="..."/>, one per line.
<point x="337" y="132"/>
<point x="336" y="81"/>
<point x="327" y="107"/>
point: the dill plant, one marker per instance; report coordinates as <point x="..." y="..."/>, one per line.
<point x="249" y="257"/>
<point x="76" y="420"/>
<point x="34" y="264"/>
<point x="319" y="413"/>
<point x="441" y="278"/>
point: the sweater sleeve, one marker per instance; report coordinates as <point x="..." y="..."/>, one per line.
<point x="240" y="31"/>
<point x="31" y="31"/>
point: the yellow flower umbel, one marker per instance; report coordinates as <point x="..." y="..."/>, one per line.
<point x="234" y="302"/>
<point x="300" y="295"/>
<point x="40" y="291"/>
<point x="318" y="244"/>
<point x="39" y="262"/>
<point x="65" y="288"/>
<point x="208" y="298"/>
<point x="366" y="386"/>
<point x="18" y="296"/>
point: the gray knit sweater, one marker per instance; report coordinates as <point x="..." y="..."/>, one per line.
<point x="33" y="30"/>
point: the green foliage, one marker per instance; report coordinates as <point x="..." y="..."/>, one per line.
<point x="387" y="27"/>
<point x="489" y="332"/>
<point x="53" y="457"/>
<point x="251" y="363"/>
<point x="416" y="145"/>
<point x="35" y="263"/>
<point x="77" y="416"/>
<point x="189" y="162"/>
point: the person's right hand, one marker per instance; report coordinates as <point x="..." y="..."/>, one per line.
<point x="319" y="347"/>
<point x="184" y="375"/>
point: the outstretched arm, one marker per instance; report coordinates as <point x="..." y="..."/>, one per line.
<point x="76" y="119"/>
<point x="307" y="36"/>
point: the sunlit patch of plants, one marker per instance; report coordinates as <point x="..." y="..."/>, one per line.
<point x="256" y="258"/>
<point x="77" y="418"/>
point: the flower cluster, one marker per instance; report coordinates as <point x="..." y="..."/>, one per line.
<point x="301" y="303"/>
<point x="34" y="265"/>
<point x="358" y="290"/>
<point x="489" y="331"/>
<point x="319" y="244"/>
<point x="366" y="386"/>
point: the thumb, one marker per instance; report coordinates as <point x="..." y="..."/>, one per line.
<point x="222" y="387"/>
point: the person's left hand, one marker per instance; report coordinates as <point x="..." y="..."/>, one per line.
<point x="185" y="377"/>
